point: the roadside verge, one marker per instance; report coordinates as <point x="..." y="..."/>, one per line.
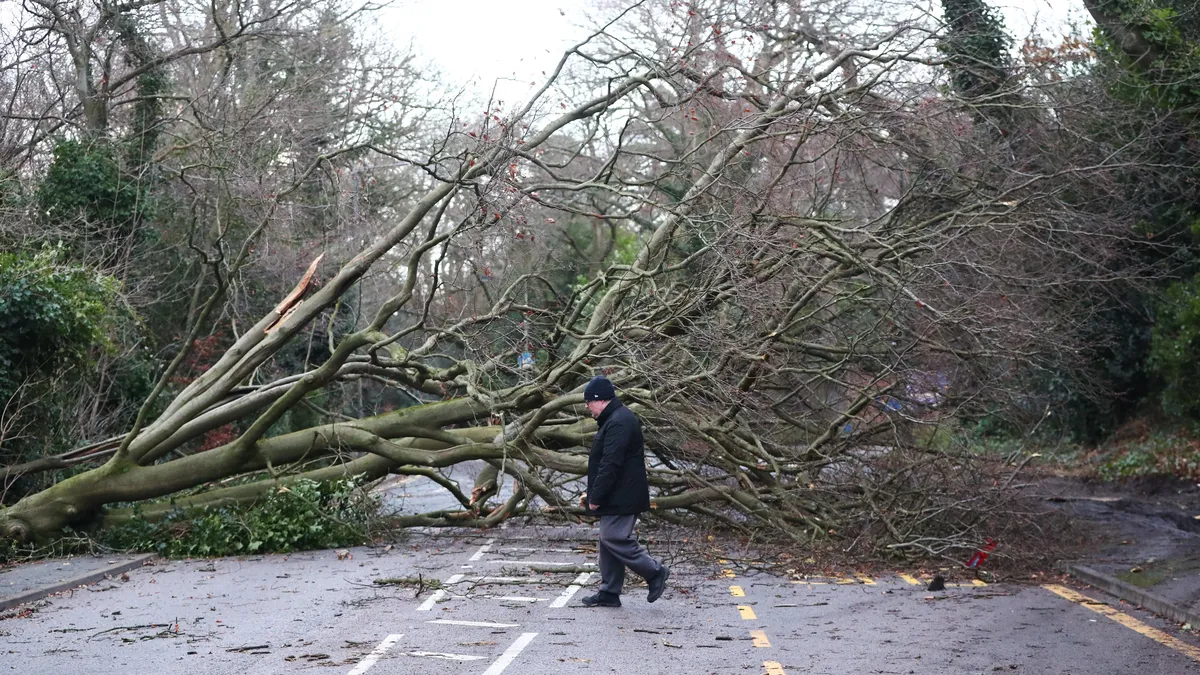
<point x="1134" y="595"/>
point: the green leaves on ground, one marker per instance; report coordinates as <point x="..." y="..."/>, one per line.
<point x="303" y="515"/>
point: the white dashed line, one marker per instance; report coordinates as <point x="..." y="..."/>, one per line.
<point x="510" y="654"/>
<point x="370" y="659"/>
<point x="517" y="647"/>
<point x="562" y="600"/>
<point x="536" y="562"/>
<point x="448" y="657"/>
<point x="482" y="550"/>
<point x="538" y="550"/>
<point x="477" y="624"/>
<point x="431" y="600"/>
<point x="438" y="595"/>
<point x="504" y="580"/>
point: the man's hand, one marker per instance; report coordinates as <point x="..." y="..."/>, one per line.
<point x="593" y="507"/>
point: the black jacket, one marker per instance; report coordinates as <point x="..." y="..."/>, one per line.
<point x="617" y="464"/>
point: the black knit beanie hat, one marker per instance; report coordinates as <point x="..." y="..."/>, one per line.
<point x="599" y="389"/>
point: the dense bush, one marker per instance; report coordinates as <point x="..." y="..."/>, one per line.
<point x="86" y="182"/>
<point x="49" y="309"/>
<point x="303" y="515"/>
<point x="1173" y="355"/>
<point x="55" y="318"/>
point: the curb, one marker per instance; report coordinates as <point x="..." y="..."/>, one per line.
<point x="90" y="577"/>
<point x="1133" y="594"/>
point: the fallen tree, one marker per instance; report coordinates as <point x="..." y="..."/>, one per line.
<point x="792" y="255"/>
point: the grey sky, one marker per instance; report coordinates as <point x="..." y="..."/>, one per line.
<point x="475" y="42"/>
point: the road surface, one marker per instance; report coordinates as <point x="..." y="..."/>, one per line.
<point x="492" y="615"/>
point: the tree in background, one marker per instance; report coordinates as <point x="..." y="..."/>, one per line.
<point x="1151" y="63"/>
<point x="149" y="145"/>
<point x="1127" y="98"/>
<point x="799" y="257"/>
<point x="978" y="51"/>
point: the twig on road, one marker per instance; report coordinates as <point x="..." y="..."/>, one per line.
<point x="137" y="627"/>
<point x="251" y="648"/>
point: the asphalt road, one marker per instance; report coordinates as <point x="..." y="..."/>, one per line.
<point x="492" y="616"/>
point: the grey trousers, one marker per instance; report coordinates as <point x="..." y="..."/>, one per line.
<point x="619" y="549"/>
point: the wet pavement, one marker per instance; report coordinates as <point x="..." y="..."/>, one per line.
<point x="1148" y="534"/>
<point x="475" y="603"/>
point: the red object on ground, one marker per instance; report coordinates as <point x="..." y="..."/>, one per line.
<point x="982" y="554"/>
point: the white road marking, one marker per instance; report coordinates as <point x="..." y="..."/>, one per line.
<point x="437" y="595"/>
<point x="448" y="657"/>
<point x="562" y="600"/>
<point x="538" y="550"/>
<point x="512" y="598"/>
<point x="370" y="659"/>
<point x="478" y="624"/>
<point x="537" y="562"/>
<point x="510" y="654"/>
<point x="431" y="600"/>
<point x="482" y="550"/>
<point x="504" y="580"/>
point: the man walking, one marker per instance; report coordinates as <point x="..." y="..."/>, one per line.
<point x="617" y="491"/>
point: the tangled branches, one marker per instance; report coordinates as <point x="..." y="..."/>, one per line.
<point x="792" y="257"/>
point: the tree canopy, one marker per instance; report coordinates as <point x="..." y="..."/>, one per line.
<point x="802" y="241"/>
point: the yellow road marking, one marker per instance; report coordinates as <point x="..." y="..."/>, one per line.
<point x="810" y="583"/>
<point x="866" y="580"/>
<point x="747" y="612"/>
<point x="774" y="668"/>
<point x="925" y="578"/>
<point x="737" y="592"/>
<point x="1127" y="621"/>
<point x="842" y="581"/>
<point x="760" y="638"/>
<point x="728" y="574"/>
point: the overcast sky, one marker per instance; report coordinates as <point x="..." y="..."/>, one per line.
<point x="480" y="41"/>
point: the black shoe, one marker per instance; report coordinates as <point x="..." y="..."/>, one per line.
<point x="658" y="584"/>
<point x="602" y="599"/>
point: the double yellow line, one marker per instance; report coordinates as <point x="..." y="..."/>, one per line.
<point x="760" y="639"/>
<point x="1126" y="620"/>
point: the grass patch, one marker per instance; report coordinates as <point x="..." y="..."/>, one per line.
<point x="1155" y="572"/>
